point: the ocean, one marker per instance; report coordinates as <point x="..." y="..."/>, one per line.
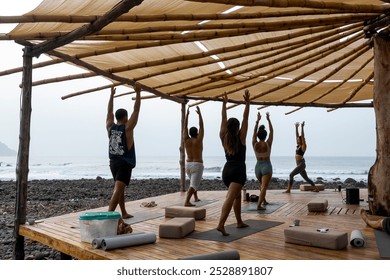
<point x="328" y="168"/>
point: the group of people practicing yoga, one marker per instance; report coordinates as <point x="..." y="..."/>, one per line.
<point x="233" y="138"/>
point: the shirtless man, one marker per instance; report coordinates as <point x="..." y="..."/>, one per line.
<point x="193" y="141"/>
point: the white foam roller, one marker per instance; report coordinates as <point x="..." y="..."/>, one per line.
<point x="127" y="240"/>
<point x="357" y="239"/>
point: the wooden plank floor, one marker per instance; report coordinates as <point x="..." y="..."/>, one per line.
<point x="62" y="233"/>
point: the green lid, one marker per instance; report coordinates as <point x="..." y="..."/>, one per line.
<point x="99" y="215"/>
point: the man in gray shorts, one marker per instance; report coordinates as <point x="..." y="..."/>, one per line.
<point x="193" y="140"/>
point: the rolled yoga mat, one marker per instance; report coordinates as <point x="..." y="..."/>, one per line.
<point x="97" y="242"/>
<point x="126" y="240"/>
<point x="357" y="239"/>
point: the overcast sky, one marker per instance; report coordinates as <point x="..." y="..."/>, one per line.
<point x="76" y="126"/>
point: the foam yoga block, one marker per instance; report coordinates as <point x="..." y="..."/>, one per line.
<point x="181" y="211"/>
<point x="177" y="227"/>
<point x="127" y="240"/>
<point x="225" y="255"/>
<point x="317" y="205"/>
<point x="308" y="187"/>
<point x="329" y="239"/>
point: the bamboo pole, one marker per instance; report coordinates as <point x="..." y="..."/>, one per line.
<point x="289" y="68"/>
<point x="345" y="80"/>
<point x="176" y="31"/>
<point x="23" y="155"/>
<point x="121" y="8"/>
<point x="282" y="41"/>
<point x="197" y="89"/>
<point x="354" y="55"/>
<point x="112" y="76"/>
<point x="282" y="44"/>
<point x="299" y="77"/>
<point x="165" y="17"/>
<point x="182" y="150"/>
<point x="34" y="66"/>
<point x="90" y="90"/>
<point x="165" y="61"/>
<point x="303" y="4"/>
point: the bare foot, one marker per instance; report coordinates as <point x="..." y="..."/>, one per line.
<point x="288" y="191"/>
<point x="261" y="208"/>
<point x="315" y="190"/>
<point x="242" y="225"/>
<point x="197" y="199"/>
<point x="222" y="230"/>
<point x="127" y="216"/>
<point x="189" y="204"/>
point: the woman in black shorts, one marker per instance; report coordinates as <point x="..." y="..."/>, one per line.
<point x="234" y="172"/>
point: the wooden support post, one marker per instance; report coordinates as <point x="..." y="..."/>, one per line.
<point x="182" y="150"/>
<point x="23" y="155"/>
<point x="379" y="175"/>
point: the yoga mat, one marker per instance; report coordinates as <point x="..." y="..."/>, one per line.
<point x="383" y="242"/>
<point x="357" y="239"/>
<point x="126" y="240"/>
<point x="200" y="203"/>
<point x="97" y="242"/>
<point x="224" y="255"/>
<point x="143" y="216"/>
<point x="270" y="208"/>
<point x="235" y="233"/>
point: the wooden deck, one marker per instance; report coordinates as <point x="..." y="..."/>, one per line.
<point x="62" y="233"/>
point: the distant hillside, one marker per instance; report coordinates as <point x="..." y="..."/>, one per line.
<point x="5" y="151"/>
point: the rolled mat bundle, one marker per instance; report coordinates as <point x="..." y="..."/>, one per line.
<point x="224" y="255"/>
<point x="124" y="240"/>
<point x="357" y="239"/>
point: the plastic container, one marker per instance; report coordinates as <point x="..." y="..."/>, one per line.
<point x="98" y="224"/>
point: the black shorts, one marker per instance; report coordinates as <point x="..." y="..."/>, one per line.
<point x="121" y="170"/>
<point x="234" y="172"/>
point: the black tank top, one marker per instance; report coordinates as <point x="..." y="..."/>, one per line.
<point x="239" y="156"/>
<point x="118" y="145"/>
<point x="299" y="151"/>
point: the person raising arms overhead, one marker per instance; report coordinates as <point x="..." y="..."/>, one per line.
<point x="193" y="141"/>
<point x="300" y="161"/>
<point x="233" y="138"/>
<point x="262" y="149"/>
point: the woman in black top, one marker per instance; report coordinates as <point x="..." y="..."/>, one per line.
<point x="301" y="165"/>
<point x="233" y="140"/>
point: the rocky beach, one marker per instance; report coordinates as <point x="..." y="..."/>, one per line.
<point x="49" y="198"/>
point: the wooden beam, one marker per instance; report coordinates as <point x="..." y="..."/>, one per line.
<point x="23" y="155"/>
<point x="112" y="76"/>
<point x="121" y="8"/>
<point x="362" y="8"/>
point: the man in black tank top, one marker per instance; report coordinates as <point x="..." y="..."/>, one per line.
<point x="122" y="150"/>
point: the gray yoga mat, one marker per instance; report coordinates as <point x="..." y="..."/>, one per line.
<point x="271" y="207"/>
<point x="200" y="203"/>
<point x="224" y="255"/>
<point x="97" y="242"/>
<point x="383" y="243"/>
<point x="235" y="233"/>
<point x="143" y="216"/>
<point x="127" y="240"/>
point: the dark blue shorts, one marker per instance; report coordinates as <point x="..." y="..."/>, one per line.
<point x="121" y="170"/>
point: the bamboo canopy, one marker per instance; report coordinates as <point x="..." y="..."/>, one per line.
<point x="293" y="53"/>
